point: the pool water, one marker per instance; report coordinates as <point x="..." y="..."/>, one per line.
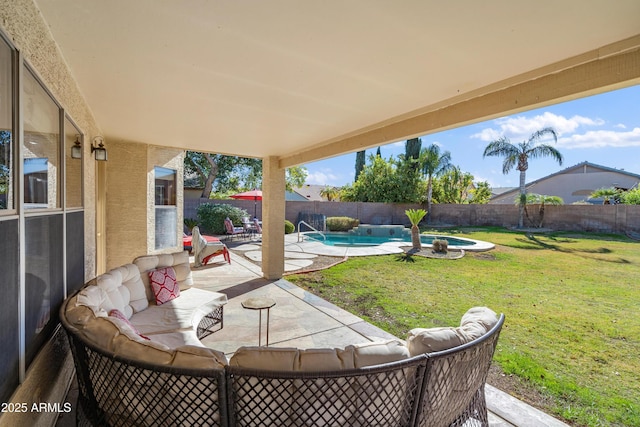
<point x="355" y="240"/>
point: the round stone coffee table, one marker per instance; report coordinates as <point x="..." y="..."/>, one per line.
<point x="260" y="303"/>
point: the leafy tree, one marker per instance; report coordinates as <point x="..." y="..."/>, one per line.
<point x="481" y="194"/>
<point x="631" y="197"/>
<point x="606" y="194"/>
<point x="295" y="177"/>
<point x="386" y="181"/>
<point x="433" y="163"/>
<point x="538" y="199"/>
<point x="456" y="186"/>
<point x="415" y="216"/>
<point x="518" y="156"/>
<point x="226" y="170"/>
<point x="229" y="174"/>
<point x="360" y="162"/>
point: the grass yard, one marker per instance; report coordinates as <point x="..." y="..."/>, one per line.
<point x="571" y="301"/>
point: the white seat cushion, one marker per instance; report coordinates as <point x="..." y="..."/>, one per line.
<point x="184" y="312"/>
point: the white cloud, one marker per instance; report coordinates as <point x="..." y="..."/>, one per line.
<point x="521" y="127"/>
<point x="487" y="134"/>
<point x="326" y="177"/>
<point x="602" y="138"/>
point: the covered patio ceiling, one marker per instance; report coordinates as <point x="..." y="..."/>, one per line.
<point x="305" y="80"/>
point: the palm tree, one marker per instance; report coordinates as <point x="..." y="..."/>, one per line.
<point x="415" y="216"/>
<point x="606" y="193"/>
<point x="518" y="156"/>
<point x="331" y="193"/>
<point x="542" y="200"/>
<point x="433" y="163"/>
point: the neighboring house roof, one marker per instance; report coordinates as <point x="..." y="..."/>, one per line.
<point x="575" y="183"/>
<point x="293" y="196"/>
<point x="311" y="192"/>
<point x="496" y="191"/>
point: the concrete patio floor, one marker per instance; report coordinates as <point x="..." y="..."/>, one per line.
<point x="301" y="319"/>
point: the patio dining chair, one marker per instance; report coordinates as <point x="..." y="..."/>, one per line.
<point x="247" y="225"/>
<point x="232" y="230"/>
<point x="257" y="228"/>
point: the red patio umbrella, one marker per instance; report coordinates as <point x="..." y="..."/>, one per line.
<point x="254" y="195"/>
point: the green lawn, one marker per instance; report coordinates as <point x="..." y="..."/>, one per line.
<point x="571" y="301"/>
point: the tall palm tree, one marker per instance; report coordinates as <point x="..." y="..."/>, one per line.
<point x="433" y="163"/>
<point x="518" y="156"/>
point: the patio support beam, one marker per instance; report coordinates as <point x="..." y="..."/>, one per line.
<point x="273" y="215"/>
<point x="612" y="67"/>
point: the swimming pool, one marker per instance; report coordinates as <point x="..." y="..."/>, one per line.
<point x="356" y="240"/>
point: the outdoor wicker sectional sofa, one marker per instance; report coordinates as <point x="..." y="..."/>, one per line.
<point x="150" y="369"/>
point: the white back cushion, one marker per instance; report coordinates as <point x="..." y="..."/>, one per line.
<point x="476" y="322"/>
<point x="179" y="261"/>
<point x="124" y="290"/>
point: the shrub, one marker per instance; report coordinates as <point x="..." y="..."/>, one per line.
<point x="631" y="197"/>
<point x="211" y="217"/>
<point x="289" y="227"/>
<point x="190" y="223"/>
<point x="440" y="246"/>
<point x="341" y="223"/>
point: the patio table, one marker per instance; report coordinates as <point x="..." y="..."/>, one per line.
<point x="260" y="303"/>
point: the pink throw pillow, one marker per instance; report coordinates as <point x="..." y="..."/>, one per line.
<point x="119" y="315"/>
<point x="164" y="284"/>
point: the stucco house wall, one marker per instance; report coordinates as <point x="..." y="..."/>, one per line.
<point x="131" y="202"/>
<point x="574" y="184"/>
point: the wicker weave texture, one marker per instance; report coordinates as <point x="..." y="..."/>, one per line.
<point x="117" y="392"/>
<point x="378" y="397"/>
<point x="209" y="322"/>
<point x="454" y="384"/>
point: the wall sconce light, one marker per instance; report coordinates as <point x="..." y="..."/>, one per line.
<point x="100" y="151"/>
<point x="76" y="149"/>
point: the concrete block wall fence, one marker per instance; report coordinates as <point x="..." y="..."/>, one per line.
<point x="590" y="218"/>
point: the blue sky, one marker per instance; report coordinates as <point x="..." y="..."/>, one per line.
<point x="602" y="129"/>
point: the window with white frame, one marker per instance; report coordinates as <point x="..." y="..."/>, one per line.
<point x="165" y="195"/>
<point x="41" y="147"/>
<point x="6" y="119"/>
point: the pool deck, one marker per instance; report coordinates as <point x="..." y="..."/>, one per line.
<point x="298" y="243"/>
<point x="298" y="254"/>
